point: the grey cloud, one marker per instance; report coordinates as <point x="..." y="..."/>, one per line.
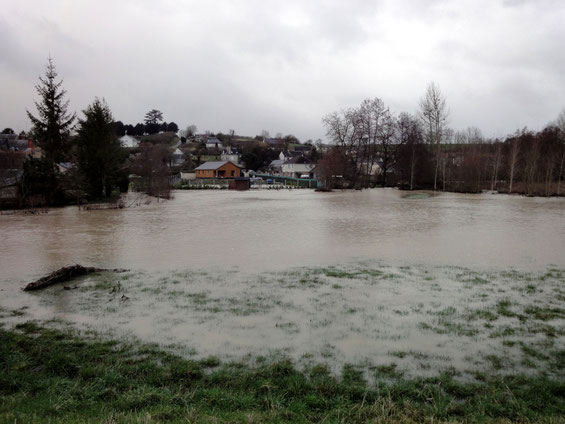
<point x="281" y="66"/>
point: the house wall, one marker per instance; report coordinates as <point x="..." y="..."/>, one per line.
<point x="232" y="157"/>
<point x="187" y="175"/>
<point x="292" y="169"/>
<point x="205" y="173"/>
<point x="229" y="167"/>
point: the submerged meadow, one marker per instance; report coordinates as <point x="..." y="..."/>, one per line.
<point x="356" y="343"/>
<point x="296" y="338"/>
<point x="416" y="320"/>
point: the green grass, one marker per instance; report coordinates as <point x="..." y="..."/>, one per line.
<point x="51" y="376"/>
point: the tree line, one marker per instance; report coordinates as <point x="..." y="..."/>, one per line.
<point x="82" y="157"/>
<point x="371" y="146"/>
<point x="152" y="124"/>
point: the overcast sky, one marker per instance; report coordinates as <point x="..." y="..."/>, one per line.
<point x="282" y="65"/>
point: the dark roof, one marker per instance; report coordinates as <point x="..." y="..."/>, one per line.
<point x="298" y="159"/>
<point x="271" y="141"/>
<point x="214" y="165"/>
<point x="13" y="143"/>
<point x="8" y="136"/>
<point x="302" y="148"/>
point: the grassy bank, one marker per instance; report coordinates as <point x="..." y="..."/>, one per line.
<point x="51" y="376"/>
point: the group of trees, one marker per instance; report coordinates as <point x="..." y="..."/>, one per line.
<point x="257" y="155"/>
<point x="364" y="137"/>
<point x="423" y="152"/>
<point x="152" y="124"/>
<point x="95" y="162"/>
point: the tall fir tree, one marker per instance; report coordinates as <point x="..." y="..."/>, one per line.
<point x="99" y="152"/>
<point x="53" y="123"/>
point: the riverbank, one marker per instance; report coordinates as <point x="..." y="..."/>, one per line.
<point x="58" y="376"/>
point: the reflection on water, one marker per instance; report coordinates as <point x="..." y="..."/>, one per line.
<point x="277" y="229"/>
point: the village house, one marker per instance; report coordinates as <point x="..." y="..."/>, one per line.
<point x="177" y="157"/>
<point x="213" y="143"/>
<point x="129" y="141"/>
<point x="275" y="167"/>
<point x="221" y="169"/>
<point x="229" y="154"/>
<point x="273" y="143"/>
<point x="298" y="167"/>
<point x="302" y="148"/>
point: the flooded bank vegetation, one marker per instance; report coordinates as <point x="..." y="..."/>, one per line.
<point x="357" y="342"/>
<point x="58" y="376"/>
<point x="373" y="147"/>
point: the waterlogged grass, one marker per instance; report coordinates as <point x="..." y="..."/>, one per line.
<point x="441" y="319"/>
<point x="51" y="376"/>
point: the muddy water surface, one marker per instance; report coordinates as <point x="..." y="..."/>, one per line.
<point x="374" y="278"/>
<point x="266" y="230"/>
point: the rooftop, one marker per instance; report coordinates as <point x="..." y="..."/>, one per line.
<point x="214" y="165"/>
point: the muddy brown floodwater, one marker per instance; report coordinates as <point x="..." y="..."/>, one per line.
<point x="266" y="230"/>
<point x="373" y="277"/>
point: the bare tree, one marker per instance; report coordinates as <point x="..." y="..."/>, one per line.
<point x="434" y="113"/>
<point x="191" y="130"/>
<point x="560" y="123"/>
<point x="531" y="158"/>
<point x="335" y="168"/>
<point x="496" y="164"/>
<point x="387" y="143"/>
<point x="151" y="167"/>
<point x="476" y="141"/>
<point x="340" y="129"/>
<point x="411" y="152"/>
<point x="366" y="134"/>
<point x="513" y="160"/>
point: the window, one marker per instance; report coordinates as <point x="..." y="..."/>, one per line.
<point x="233" y="173"/>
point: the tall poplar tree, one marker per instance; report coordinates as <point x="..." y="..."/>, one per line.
<point x="53" y="123"/>
<point x="434" y="113"/>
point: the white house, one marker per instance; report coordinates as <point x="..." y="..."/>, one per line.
<point x="213" y="142"/>
<point x="230" y="157"/>
<point x="129" y="141"/>
<point x="297" y="169"/>
<point x="178" y="157"/>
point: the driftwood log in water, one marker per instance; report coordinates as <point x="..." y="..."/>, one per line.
<point x="66" y="273"/>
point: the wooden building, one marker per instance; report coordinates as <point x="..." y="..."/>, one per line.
<point x="240" y="183"/>
<point x="224" y="169"/>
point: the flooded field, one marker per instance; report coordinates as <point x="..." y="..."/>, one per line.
<point x="408" y="286"/>
<point x="408" y="320"/>
<point x="268" y="230"/>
